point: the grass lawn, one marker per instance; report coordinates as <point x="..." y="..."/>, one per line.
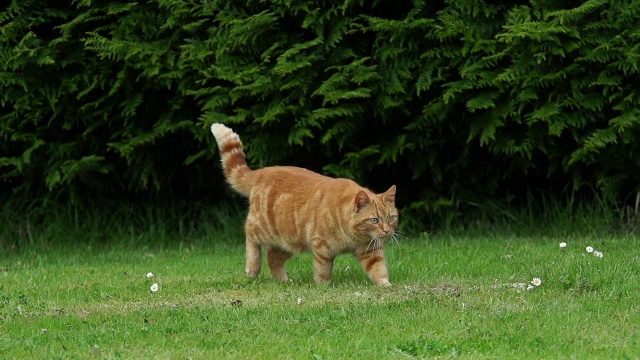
<point x="453" y="297"/>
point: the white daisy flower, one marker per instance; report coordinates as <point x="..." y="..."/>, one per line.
<point x="589" y="249"/>
<point x="598" y="254"/>
<point x="154" y="288"/>
<point x="536" y="282"/>
<point x="96" y="350"/>
<point x="530" y="287"/>
<point x="150" y="275"/>
<point x="563" y="244"/>
<point x="299" y="300"/>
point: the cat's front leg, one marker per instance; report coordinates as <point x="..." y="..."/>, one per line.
<point x="373" y="262"/>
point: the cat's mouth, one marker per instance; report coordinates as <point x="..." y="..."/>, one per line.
<point x="384" y="235"/>
<point x="376" y="240"/>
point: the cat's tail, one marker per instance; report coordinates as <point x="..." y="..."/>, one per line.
<point x="238" y="174"/>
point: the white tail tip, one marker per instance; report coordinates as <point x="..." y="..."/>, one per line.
<point x="220" y="131"/>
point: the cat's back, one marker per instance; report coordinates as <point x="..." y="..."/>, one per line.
<point x="299" y="185"/>
<point x="288" y="177"/>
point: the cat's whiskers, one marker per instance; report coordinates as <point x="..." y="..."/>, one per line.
<point x="396" y="236"/>
<point x="375" y="241"/>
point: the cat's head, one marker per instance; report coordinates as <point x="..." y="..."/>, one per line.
<point x="374" y="215"/>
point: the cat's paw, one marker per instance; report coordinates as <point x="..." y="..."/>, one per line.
<point x="282" y="277"/>
<point x="384" y="283"/>
<point x="322" y="281"/>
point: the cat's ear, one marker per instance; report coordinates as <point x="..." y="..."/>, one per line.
<point x="361" y="200"/>
<point x="390" y="195"/>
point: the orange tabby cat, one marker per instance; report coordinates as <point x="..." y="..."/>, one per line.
<point x="294" y="210"/>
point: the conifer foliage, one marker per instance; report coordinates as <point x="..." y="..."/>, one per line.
<point x="456" y="100"/>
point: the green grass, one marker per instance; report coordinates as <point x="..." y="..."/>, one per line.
<point x="453" y="297"/>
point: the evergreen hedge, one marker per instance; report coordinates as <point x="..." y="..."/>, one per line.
<point x="452" y="101"/>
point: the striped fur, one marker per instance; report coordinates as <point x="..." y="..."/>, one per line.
<point x="294" y="210"/>
<point x="238" y="174"/>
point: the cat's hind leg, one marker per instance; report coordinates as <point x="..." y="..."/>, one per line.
<point x="254" y="258"/>
<point x="253" y="233"/>
<point x="322" y="261"/>
<point x="276" y="257"/>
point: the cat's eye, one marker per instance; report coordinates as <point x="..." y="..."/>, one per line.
<point x="392" y="218"/>
<point x="374" y="220"/>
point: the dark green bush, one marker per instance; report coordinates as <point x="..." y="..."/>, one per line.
<point x="457" y="101"/>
